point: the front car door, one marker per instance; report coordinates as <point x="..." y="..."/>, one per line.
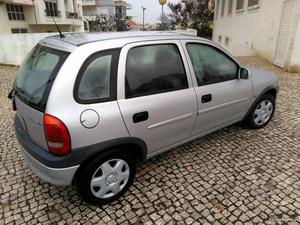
<point x="155" y="94"/>
<point x="222" y="97"/>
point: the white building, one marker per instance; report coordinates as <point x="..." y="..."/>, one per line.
<point x="93" y="8"/>
<point x="26" y="16"/>
<point x="268" y="28"/>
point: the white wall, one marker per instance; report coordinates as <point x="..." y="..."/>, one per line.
<point x="252" y="32"/>
<point x="37" y="21"/>
<point x="6" y="25"/>
<point x="14" y="47"/>
<point x="294" y="64"/>
<point x="255" y="32"/>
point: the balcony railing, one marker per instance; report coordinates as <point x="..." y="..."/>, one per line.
<point x="19" y="2"/>
<point x="73" y="15"/>
<point x="89" y="2"/>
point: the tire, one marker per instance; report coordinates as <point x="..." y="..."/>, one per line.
<point x="97" y="182"/>
<point x="262" y="112"/>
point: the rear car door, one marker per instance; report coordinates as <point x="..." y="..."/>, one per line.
<point x="222" y="97"/>
<point x="155" y="93"/>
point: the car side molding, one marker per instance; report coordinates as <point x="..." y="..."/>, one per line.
<point x="86" y="152"/>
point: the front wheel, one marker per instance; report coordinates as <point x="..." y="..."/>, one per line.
<point x="262" y="112"/>
<point x="106" y="178"/>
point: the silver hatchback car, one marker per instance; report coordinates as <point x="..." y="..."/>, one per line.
<point x="90" y="107"/>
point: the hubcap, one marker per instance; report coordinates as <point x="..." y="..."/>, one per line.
<point x="110" y="178"/>
<point x="263" y="112"/>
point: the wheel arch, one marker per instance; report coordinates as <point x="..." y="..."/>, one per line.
<point x="269" y="90"/>
<point x="135" y="146"/>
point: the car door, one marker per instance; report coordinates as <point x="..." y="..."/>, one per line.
<point x="222" y="97"/>
<point x="155" y="93"/>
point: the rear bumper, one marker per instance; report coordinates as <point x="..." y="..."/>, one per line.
<point x="56" y="176"/>
<point x="53" y="169"/>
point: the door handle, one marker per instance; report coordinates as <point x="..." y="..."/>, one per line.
<point x="141" y="116"/>
<point x="206" y="98"/>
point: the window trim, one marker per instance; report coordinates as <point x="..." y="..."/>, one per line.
<point x="19" y="30"/>
<point x="223" y="8"/>
<point x="240" y="10"/>
<point x="158" y="92"/>
<point x="14" y="12"/>
<point x="115" y="53"/>
<point x="253" y="7"/>
<point x="230" y="9"/>
<point x="52" y="10"/>
<point x="217" y="9"/>
<point x="226" y="41"/>
<point x="218" y="50"/>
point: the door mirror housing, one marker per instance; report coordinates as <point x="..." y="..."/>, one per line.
<point x="244" y="73"/>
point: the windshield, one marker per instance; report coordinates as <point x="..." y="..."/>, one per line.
<point x="37" y="73"/>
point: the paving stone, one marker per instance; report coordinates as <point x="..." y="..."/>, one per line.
<point x="233" y="176"/>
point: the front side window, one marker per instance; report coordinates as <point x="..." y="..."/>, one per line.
<point x="211" y="65"/>
<point x="15" y="12"/>
<point x="97" y="78"/>
<point x="239" y="5"/>
<point x="154" y="69"/>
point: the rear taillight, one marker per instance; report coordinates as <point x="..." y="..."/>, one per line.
<point x="57" y="135"/>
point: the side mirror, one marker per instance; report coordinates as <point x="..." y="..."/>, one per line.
<point x="244" y="73"/>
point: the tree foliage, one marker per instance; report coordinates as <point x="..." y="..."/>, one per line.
<point x="194" y="14"/>
<point x="103" y="23"/>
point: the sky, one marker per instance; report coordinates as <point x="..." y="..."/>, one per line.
<point x="152" y="13"/>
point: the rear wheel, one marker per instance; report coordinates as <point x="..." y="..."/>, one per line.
<point x="262" y="112"/>
<point x="106" y="178"/>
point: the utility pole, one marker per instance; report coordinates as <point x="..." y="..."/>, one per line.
<point x="162" y="2"/>
<point x="143" y="17"/>
<point x="162" y="17"/>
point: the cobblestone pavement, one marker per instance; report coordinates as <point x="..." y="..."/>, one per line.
<point x="233" y="176"/>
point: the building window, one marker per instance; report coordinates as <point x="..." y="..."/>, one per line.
<point x="18" y="30"/>
<point x="220" y="38"/>
<point x="15" y="12"/>
<point x="222" y="7"/>
<point x="217" y="9"/>
<point x="227" y="41"/>
<point x="253" y="4"/>
<point x="51" y="9"/>
<point x="230" y="3"/>
<point x="239" y="5"/>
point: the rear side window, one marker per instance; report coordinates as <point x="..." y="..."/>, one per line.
<point x="36" y="75"/>
<point x="96" y="81"/>
<point x="154" y="69"/>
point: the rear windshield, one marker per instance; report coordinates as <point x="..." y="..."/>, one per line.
<point x="36" y="75"/>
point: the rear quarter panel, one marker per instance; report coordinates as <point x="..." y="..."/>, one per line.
<point x="62" y="105"/>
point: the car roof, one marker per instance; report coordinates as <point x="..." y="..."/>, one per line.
<point x="72" y="40"/>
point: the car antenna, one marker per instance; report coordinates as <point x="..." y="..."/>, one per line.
<point x="57" y="27"/>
